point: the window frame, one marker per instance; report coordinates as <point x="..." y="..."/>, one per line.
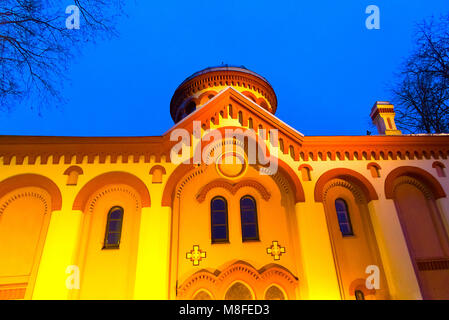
<point x="348" y="217"/>
<point x="257" y="238"/>
<point x="213" y="240"/>
<point x="106" y="245"/>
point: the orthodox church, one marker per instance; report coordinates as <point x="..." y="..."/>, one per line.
<point x="230" y="203"/>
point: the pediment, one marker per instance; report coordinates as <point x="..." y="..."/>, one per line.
<point x="228" y="104"/>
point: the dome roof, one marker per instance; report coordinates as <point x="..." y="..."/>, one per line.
<point x="253" y="85"/>
<point x="224" y="67"/>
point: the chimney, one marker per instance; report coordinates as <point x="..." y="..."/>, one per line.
<point x="383" y="115"/>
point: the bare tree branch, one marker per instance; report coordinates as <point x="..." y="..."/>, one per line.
<point x="36" y="48"/>
<point x="421" y="93"/>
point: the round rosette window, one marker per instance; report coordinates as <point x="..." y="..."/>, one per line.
<point x="231" y="165"/>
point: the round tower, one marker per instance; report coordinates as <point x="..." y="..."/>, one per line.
<point x="202" y="86"/>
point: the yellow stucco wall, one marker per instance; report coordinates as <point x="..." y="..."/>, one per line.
<point x="166" y="234"/>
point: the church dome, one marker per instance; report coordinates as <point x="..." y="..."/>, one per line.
<point x="199" y="88"/>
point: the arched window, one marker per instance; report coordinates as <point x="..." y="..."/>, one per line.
<point x="202" y="295"/>
<point x="248" y="214"/>
<point x="274" y="293"/>
<point x="250" y="123"/>
<point x="241" y="118"/>
<point x="219" y="220"/>
<point x="113" y="228"/>
<point x="238" y="291"/>
<point x="343" y="218"/>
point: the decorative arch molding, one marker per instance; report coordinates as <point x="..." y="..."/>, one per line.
<point x="185" y="172"/>
<point x="158" y="167"/>
<point x="373" y="164"/>
<point x="438" y="164"/>
<point x="124" y="189"/>
<point x="305" y="166"/>
<point x="33" y="180"/>
<point x="42" y="196"/>
<point x="439" y="169"/>
<point x="286" y="173"/>
<point x="250" y="95"/>
<point x="284" y="177"/>
<point x="419" y="174"/>
<point x="249" y="273"/>
<point x="168" y="194"/>
<point x="414" y="182"/>
<point x="204" y="97"/>
<point x="273" y="271"/>
<point x="71" y="169"/>
<point x="233" y="188"/>
<point x="258" y="280"/>
<point x="358" y="194"/>
<point x="111" y="178"/>
<point x="210" y="294"/>
<point x="348" y="175"/>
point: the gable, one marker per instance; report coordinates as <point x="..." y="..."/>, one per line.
<point x="228" y="104"/>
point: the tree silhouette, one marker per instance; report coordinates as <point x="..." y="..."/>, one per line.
<point x="36" y="47"/>
<point x="421" y="94"/>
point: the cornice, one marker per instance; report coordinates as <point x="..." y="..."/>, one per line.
<point x="75" y="150"/>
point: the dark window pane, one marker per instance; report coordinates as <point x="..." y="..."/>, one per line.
<point x="249" y="217"/>
<point x="115" y="225"/>
<point x="219" y="233"/>
<point x="114" y="228"/>
<point x="340" y="205"/>
<point x="113" y="238"/>
<point x="218" y="204"/>
<point x="250" y="231"/>
<point x="247" y="203"/>
<point x="248" y="213"/>
<point x="218" y="218"/>
<point x="116" y="214"/>
<point x="345" y="229"/>
<point x="343" y="217"/>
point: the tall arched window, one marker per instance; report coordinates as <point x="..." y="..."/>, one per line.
<point x="219" y="220"/>
<point x="113" y="228"/>
<point x="343" y="218"/>
<point x="248" y="214"/>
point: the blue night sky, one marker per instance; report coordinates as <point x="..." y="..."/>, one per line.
<point x="327" y="69"/>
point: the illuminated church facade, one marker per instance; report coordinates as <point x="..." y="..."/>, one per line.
<point x="230" y="203"/>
